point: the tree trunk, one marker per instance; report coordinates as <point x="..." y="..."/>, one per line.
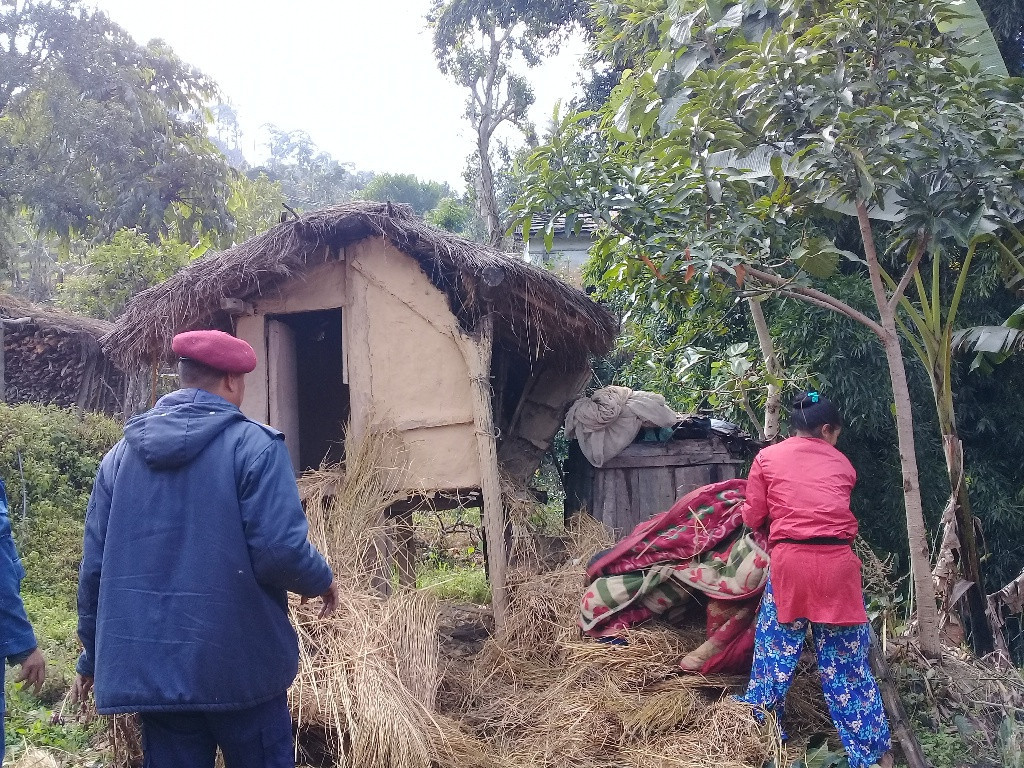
<point x="917" y="534"/>
<point x="969" y="562"/>
<point x="773" y="406"/>
<point x="488" y="197"/>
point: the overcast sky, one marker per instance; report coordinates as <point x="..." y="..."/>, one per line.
<point x="358" y="75"/>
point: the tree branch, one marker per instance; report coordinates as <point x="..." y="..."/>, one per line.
<point x="816" y="297"/>
<point x="915" y="262"/>
<point x="771" y="362"/>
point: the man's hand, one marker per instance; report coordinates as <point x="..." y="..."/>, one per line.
<point x="33" y="671"/>
<point x="330" y="598"/>
<point x="81" y="689"/>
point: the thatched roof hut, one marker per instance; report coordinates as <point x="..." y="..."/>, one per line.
<point x="362" y="314"/>
<point x="403" y="305"/>
<point x="55" y="358"/>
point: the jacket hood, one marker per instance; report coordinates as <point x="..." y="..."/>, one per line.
<point x="179" y="427"/>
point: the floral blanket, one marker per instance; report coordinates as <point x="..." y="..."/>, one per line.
<point x="699" y="547"/>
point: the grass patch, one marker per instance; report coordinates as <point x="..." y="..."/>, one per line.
<point x="459" y="583"/>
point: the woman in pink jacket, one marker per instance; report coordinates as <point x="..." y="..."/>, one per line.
<point x="799" y="490"/>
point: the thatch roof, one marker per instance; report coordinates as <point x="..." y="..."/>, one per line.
<point x="535" y="311"/>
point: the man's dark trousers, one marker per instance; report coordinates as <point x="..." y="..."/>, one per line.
<point x="258" y="737"/>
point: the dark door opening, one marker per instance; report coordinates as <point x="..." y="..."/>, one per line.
<point x="323" y="397"/>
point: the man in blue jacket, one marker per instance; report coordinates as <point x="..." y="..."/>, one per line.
<point x="17" y="640"/>
<point x="194" y="537"/>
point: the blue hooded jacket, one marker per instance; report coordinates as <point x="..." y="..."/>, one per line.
<point x="16" y="635"/>
<point x="194" y="536"/>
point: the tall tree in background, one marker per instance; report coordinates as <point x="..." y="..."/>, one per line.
<point x="477" y="43"/>
<point x="421" y="196"/>
<point x="226" y="134"/>
<point x="309" y="177"/>
<point x="98" y="133"/>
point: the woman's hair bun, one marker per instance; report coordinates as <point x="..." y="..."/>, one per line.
<point x="806" y="399"/>
<point x="811" y="410"/>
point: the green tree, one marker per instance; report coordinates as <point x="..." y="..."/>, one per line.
<point x="98" y="133"/>
<point x="701" y="170"/>
<point x="114" y="272"/>
<point x="256" y="204"/>
<point x="405" y="188"/>
<point x="450" y="214"/>
<point x="476" y="42"/>
<point x="309" y="177"/>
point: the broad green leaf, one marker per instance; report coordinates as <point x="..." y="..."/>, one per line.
<point x="993" y="339"/>
<point x="818" y="257"/>
<point x="981" y="46"/>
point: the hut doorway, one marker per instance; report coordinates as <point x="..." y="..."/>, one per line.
<point x="309" y="399"/>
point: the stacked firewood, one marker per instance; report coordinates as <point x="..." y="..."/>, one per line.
<point x="55" y="365"/>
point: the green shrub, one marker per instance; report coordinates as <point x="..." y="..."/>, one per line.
<point x="48" y="488"/>
<point x="48" y="491"/>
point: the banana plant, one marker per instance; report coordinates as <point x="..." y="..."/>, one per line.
<point x="981" y="43"/>
<point x="930" y="333"/>
<point x="993" y="344"/>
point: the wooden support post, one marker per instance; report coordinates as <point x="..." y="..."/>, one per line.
<point x="381" y="559"/>
<point x="898" y="719"/>
<point x="405" y="555"/>
<point x="479" y="359"/>
<point x="140" y="390"/>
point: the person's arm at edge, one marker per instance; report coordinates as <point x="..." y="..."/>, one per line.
<point x="755" y="508"/>
<point x="276" y="529"/>
<point x="19" y="645"/>
<point x="96" y="516"/>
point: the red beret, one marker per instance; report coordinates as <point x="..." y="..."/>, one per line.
<point x="217" y="349"/>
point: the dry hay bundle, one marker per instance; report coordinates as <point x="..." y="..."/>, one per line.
<point x="124" y="734"/>
<point x="368" y="676"/>
<point x="723" y="734"/>
<point x="347" y="505"/>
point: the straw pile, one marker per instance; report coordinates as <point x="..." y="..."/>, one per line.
<point x="544" y="696"/>
<point x="36" y="758"/>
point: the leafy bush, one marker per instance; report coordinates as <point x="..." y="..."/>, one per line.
<point x="48" y="458"/>
<point x="461" y="583"/>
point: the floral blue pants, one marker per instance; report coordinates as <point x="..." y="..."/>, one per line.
<point x="851" y="692"/>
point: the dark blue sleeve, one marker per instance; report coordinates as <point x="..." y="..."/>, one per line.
<point x="96" y="516"/>
<point x="16" y="635"/>
<point x="276" y="529"/>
